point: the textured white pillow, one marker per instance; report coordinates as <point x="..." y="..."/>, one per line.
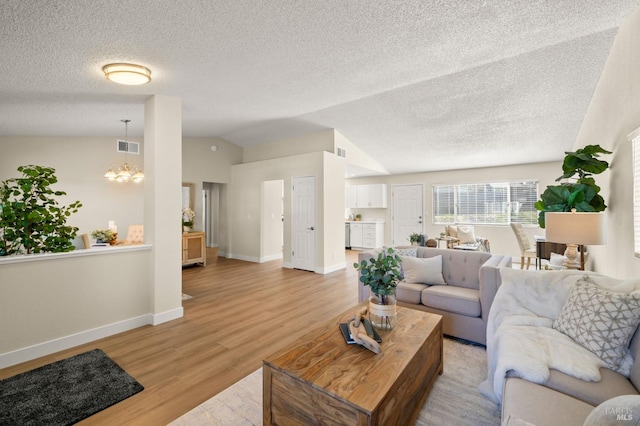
<point x="410" y="252"/>
<point x="452" y="231"/>
<point x="465" y="234"/>
<point x="556" y="261"/>
<point x="423" y="270"/>
<point x="600" y="320"/>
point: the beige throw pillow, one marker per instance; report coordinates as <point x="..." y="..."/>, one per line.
<point x="423" y="270"/>
<point x="600" y="320"/>
<point x="465" y="235"/>
<point x="451" y="231"/>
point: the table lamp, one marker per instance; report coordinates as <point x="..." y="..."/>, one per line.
<point x="573" y="229"/>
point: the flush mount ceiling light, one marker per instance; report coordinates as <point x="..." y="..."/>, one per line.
<point x="129" y="74"/>
<point x="125" y="173"/>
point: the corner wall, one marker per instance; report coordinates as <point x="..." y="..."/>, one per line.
<point x="614" y="112"/>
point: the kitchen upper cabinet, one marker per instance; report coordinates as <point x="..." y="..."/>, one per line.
<point x="372" y="196"/>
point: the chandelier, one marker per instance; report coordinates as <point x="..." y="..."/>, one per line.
<point x="125" y="173"/>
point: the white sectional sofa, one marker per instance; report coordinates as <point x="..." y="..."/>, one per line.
<point x="560" y="344"/>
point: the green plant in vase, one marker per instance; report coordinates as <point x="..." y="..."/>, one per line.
<point x="381" y="274"/>
<point x="581" y="194"/>
<point x="415" y="238"/>
<point x="105" y="236"/>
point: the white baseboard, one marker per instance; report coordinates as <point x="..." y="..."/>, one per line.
<point x="270" y="258"/>
<point x="287" y="265"/>
<point x="41" y="349"/>
<point x="245" y="258"/>
<point x="167" y="316"/>
<point x="331" y="268"/>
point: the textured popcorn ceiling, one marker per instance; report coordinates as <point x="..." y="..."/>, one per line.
<point x="418" y="85"/>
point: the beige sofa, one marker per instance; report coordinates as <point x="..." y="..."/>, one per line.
<point x="472" y="279"/>
<point x="561" y="399"/>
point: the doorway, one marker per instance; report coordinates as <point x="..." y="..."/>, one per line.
<point x="214" y="222"/>
<point x="303" y="226"/>
<point x="272" y="220"/>
<point x="407" y="212"/>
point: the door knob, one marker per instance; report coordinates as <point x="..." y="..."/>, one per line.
<point x="311" y="228"/>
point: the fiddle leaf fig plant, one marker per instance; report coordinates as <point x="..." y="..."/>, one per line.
<point x="31" y="219"/>
<point x="582" y="194"/>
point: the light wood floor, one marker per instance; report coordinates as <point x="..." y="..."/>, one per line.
<point x="240" y="313"/>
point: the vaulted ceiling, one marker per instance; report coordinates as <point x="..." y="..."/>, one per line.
<point x="418" y="85"/>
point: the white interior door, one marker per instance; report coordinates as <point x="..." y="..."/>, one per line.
<point x="303" y="224"/>
<point x="407" y="212"/>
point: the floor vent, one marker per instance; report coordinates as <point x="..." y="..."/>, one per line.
<point x="128" y="147"/>
<point x="341" y="152"/>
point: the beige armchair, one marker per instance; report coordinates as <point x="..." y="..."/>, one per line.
<point x="463" y="237"/>
<point x="525" y="245"/>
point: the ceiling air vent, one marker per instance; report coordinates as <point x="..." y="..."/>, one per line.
<point x="341" y="152"/>
<point x="128" y="147"/>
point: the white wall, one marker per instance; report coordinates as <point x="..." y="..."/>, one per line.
<point x="501" y="238"/>
<point x="245" y="196"/>
<point x="80" y="164"/>
<point x="199" y="165"/>
<point x="614" y="112"/>
<point x="245" y="206"/>
<point x="333" y="212"/>
<point x="51" y="304"/>
<point x="313" y="142"/>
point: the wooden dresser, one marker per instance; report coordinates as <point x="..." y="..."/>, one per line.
<point x="193" y="248"/>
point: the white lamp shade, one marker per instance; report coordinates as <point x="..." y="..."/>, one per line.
<point x="576" y="228"/>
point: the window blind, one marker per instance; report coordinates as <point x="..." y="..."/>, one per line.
<point x="635" y="144"/>
<point x="496" y="203"/>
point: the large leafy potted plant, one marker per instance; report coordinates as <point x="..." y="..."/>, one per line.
<point x="381" y="274"/>
<point x="581" y="194"/>
<point x="31" y="219"/>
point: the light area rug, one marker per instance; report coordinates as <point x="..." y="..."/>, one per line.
<point x="454" y="398"/>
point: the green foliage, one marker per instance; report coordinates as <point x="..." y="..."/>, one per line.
<point x="31" y="220"/>
<point x="581" y="195"/>
<point x="104" y="235"/>
<point x="382" y="273"/>
<point x="415" y="238"/>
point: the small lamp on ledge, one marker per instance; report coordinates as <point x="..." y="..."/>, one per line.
<point x="573" y="229"/>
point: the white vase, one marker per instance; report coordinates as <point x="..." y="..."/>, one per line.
<point x="186" y="229"/>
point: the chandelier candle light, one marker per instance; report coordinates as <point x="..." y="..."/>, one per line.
<point x="125" y="173"/>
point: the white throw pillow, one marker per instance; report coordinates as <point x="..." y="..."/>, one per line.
<point x="465" y="235"/>
<point x="423" y="270"/>
<point x="556" y="261"/>
<point x="451" y="231"/>
<point x="600" y="320"/>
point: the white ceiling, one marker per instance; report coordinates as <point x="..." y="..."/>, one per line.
<point x="419" y="85"/>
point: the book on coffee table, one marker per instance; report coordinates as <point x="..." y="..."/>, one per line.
<point x="371" y="332"/>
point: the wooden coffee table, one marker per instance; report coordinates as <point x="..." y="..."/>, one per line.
<point x="321" y="380"/>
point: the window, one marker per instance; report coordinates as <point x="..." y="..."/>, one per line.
<point x="496" y="203"/>
<point x="635" y="145"/>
